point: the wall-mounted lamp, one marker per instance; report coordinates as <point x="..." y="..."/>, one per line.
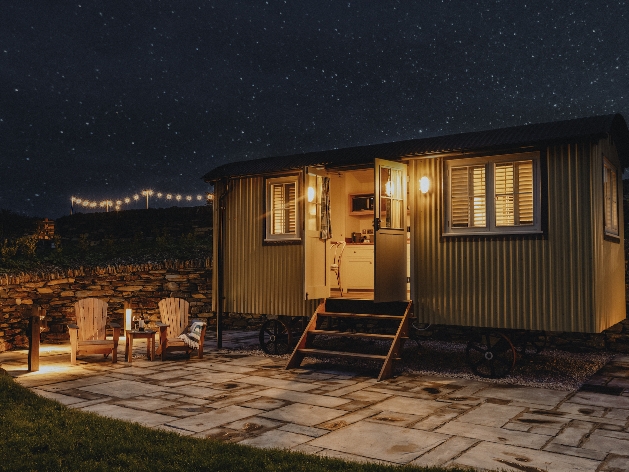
<point x="424" y="184"/>
<point x="311" y="194"/>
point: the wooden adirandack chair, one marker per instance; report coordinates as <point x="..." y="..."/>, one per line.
<point x="88" y="335"/>
<point x="174" y="322"/>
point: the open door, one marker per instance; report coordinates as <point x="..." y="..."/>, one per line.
<point x="390" y="231"/>
<point x="316" y="234"/>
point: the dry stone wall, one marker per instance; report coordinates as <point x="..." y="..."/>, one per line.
<point x="143" y="285"/>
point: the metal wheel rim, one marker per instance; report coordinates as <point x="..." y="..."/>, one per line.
<point x="275" y="337"/>
<point x="491" y="356"/>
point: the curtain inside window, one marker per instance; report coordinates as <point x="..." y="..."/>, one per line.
<point x="326" y="227"/>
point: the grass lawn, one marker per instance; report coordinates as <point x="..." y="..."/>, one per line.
<point x="40" y="434"/>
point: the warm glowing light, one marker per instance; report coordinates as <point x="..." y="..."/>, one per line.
<point x="311" y="194"/>
<point x="127" y="320"/>
<point x="424" y="184"/>
<point x="143" y="194"/>
<point x="389" y="188"/>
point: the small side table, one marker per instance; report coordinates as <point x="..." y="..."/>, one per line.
<point x="147" y="334"/>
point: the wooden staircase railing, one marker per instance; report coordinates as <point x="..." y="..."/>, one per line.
<point x="315" y="328"/>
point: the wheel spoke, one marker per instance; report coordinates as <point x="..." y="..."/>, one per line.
<point x="477" y="348"/>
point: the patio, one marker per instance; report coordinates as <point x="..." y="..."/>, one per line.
<point x="411" y="419"/>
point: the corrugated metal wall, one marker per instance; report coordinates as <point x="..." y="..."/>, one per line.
<point x="609" y="256"/>
<point x="510" y="282"/>
<point x="262" y="279"/>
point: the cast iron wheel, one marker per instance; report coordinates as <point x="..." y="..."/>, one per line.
<point x="275" y="337"/>
<point x="491" y="354"/>
<point x="413" y="332"/>
<point x="533" y="343"/>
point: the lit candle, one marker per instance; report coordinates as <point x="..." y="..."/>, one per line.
<point x="127" y="322"/>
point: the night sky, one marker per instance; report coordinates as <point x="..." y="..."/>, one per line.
<point x="101" y="99"/>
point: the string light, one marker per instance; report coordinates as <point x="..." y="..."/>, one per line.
<point x="118" y="204"/>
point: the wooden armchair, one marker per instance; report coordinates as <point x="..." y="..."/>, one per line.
<point x="174" y="322"/>
<point x="88" y="335"/>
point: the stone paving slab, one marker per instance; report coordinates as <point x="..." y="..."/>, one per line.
<point x="531" y="395"/>
<point x="300" y="413"/>
<point x="145" y="418"/>
<point x="493" y="434"/>
<point x="444" y="452"/>
<point x="410" y="419"/>
<point x="301" y="397"/>
<point x="121" y="388"/>
<point x="209" y="420"/>
<point x="380" y="441"/>
<point x="490" y="415"/>
<point x="517" y="459"/>
<point x="277" y="439"/>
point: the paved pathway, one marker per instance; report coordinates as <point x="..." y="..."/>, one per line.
<point x="411" y="419"/>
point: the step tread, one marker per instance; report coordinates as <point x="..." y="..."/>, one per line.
<point x="352" y="335"/>
<point x="323" y="352"/>
<point x="360" y="315"/>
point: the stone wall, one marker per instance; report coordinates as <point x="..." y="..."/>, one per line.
<point x="143" y="285"/>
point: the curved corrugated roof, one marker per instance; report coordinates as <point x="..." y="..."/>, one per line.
<point x="537" y="134"/>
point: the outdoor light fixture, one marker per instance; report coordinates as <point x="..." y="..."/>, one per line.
<point x="311" y="194"/>
<point x="424" y="184"/>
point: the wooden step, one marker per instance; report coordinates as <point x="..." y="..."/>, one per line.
<point x="304" y="345"/>
<point x="352" y="335"/>
<point x="360" y="315"/>
<point x="355" y="355"/>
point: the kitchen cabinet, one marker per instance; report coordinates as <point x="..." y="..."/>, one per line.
<point x="357" y="267"/>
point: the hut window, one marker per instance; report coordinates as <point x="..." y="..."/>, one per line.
<point x="468" y="201"/>
<point x="514" y="193"/>
<point x="282" y="215"/>
<point x="492" y="195"/>
<point x="610" y="189"/>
